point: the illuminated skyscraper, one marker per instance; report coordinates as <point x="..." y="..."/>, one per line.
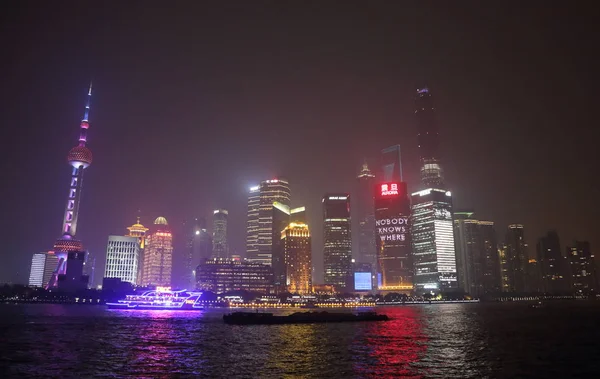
<point x="367" y="250"/>
<point x="584" y="276"/>
<point x="139" y="231"/>
<point x="516" y="258"/>
<point x="269" y="191"/>
<point x="428" y="139"/>
<point x="394" y="250"/>
<point x="298" y="258"/>
<point x="220" y="245"/>
<point x="492" y="282"/>
<point x="553" y="265"/>
<point x="337" y="241"/>
<point x="433" y="242"/>
<point x="70" y="251"/>
<point x="122" y="258"/>
<point x="158" y="254"/>
<point x="282" y="216"/>
<point x="252" y="223"/>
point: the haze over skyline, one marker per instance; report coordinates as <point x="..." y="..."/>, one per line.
<point x="194" y="105"/>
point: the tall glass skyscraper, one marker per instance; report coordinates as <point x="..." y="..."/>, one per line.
<point x="363" y="211"/>
<point x="252" y="222"/>
<point x="428" y="140"/>
<point x="269" y="192"/>
<point x="433" y="242"/>
<point x="199" y="248"/>
<point x="554" y="266"/>
<point x="220" y="244"/>
<point x="122" y="258"/>
<point x="337" y="249"/>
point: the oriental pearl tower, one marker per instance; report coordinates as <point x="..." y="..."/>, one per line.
<point x="69" y="250"/>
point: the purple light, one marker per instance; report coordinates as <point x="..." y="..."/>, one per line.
<point x="160" y="300"/>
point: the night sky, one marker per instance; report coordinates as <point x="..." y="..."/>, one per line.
<point x="195" y="102"/>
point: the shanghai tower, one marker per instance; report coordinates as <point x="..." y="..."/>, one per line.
<point x="428" y="140"/>
<point x="67" y="248"/>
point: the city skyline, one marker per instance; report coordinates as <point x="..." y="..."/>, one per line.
<point x="388" y="119"/>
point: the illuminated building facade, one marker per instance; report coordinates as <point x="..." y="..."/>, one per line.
<point x="158" y="255"/>
<point x="516" y="258"/>
<point x="269" y="192"/>
<point x="42" y="266"/>
<point x="337" y="241"/>
<point x="428" y="140"/>
<point x="282" y="216"/>
<point x="122" y="258"/>
<point x="363" y="211"/>
<point x="138" y="231"/>
<point x="584" y="276"/>
<point x="298" y="258"/>
<point x="553" y="266"/>
<point x="252" y="222"/>
<point x="220" y="245"/>
<point x="392" y="230"/>
<point x="69" y="251"/>
<point x="433" y="242"/>
<point x="225" y="275"/>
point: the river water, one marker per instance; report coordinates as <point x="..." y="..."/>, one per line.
<point x="497" y="340"/>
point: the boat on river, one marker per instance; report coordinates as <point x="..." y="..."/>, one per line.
<point x="249" y="318"/>
<point x="162" y="298"/>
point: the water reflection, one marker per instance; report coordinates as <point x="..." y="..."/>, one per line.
<point x="391" y="348"/>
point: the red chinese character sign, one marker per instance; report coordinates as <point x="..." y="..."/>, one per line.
<point x="389" y="190"/>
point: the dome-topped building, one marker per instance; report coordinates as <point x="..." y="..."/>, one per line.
<point x="161" y="221"/>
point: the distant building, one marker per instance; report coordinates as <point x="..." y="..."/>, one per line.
<point x="199" y="248"/>
<point x="504" y="267"/>
<point x="395" y="270"/>
<point x="220" y="244"/>
<point x="554" y="267"/>
<point x="122" y="257"/>
<point x="226" y="275"/>
<point x="158" y="255"/>
<point x="364" y="212"/>
<point x="391" y="164"/>
<point x="478" y="266"/>
<point x="584" y="276"/>
<point x="337" y="241"/>
<point x="516" y="258"/>
<point x="298" y="258"/>
<point x="42" y="267"/>
<point x="139" y="231"/>
<point x="433" y="242"/>
<point x="269" y="192"/>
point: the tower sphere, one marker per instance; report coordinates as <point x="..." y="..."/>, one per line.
<point x="80" y="156"/>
